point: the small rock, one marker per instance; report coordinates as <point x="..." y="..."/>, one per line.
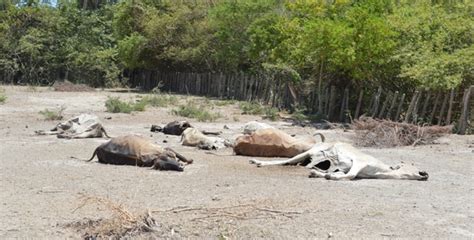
<point x="215" y="198"/>
<point x="26" y="126"/>
<point x="108" y="118"/>
<point x="165" y="141"/>
<point x="226" y="127"/>
<point x="330" y="235"/>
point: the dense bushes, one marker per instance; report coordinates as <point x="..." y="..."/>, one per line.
<point x="397" y="44"/>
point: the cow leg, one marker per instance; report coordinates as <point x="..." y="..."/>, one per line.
<point x="397" y="174"/>
<point x="165" y="163"/>
<point x="180" y="157"/>
<point x="315" y="150"/>
<point x="316" y="174"/>
<point x="355" y="169"/>
<point x="292" y="161"/>
<point x="42" y="132"/>
<point x="87" y="134"/>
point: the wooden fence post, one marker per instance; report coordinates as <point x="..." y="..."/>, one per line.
<point x="359" y="104"/>
<point x="399" y="108"/>
<point x="384" y="105"/>
<point x="443" y="107"/>
<point x="347" y="112"/>
<point x="415" y="108"/>
<point x="345" y="99"/>
<point x="332" y="102"/>
<point x="392" y="105"/>
<point x="326" y="102"/>
<point x="435" y="106"/>
<point x="450" y="107"/>
<point x="376" y="102"/>
<point x="411" y="106"/>
<point x="463" y="120"/>
<point x="425" y="104"/>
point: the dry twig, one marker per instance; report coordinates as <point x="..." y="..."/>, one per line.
<point x="385" y="133"/>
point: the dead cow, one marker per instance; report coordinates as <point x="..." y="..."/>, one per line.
<point x="82" y="126"/>
<point x="253" y="126"/>
<point x="272" y="142"/>
<point x="139" y="151"/>
<point x="341" y="161"/>
<point x="195" y="138"/>
<point x="172" y="128"/>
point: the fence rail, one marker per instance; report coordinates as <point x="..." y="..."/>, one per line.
<point x="332" y="103"/>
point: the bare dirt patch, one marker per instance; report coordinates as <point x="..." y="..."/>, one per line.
<point x="218" y="196"/>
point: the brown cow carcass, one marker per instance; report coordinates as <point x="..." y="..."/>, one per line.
<point x="139" y="151"/>
<point x="172" y="128"/>
<point x="272" y="142"/>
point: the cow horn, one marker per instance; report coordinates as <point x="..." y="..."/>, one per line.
<point x="323" y="138"/>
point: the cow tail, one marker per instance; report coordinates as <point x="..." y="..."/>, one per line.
<point x="180" y="157"/>
<point x="105" y="133"/>
<point x="93" y="155"/>
<point x="323" y="138"/>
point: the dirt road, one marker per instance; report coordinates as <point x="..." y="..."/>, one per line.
<point x="218" y="196"/>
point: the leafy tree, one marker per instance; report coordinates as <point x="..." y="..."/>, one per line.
<point x="435" y="46"/>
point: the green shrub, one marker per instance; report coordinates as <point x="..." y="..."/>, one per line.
<point x="318" y="117"/>
<point x="251" y="108"/>
<point x="140" y="105"/>
<point x="52" y="115"/>
<point x="224" y="102"/>
<point x="160" y="100"/>
<point x="271" y="113"/>
<point x="299" y="115"/>
<point x="115" y="105"/>
<point x="191" y="110"/>
<point x="3" y="98"/>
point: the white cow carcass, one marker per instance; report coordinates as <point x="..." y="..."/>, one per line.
<point x="342" y="161"/>
<point x="81" y="126"/>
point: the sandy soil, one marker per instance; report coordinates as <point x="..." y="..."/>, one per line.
<point x="42" y="186"/>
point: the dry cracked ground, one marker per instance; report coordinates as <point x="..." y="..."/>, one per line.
<point x="220" y="196"/>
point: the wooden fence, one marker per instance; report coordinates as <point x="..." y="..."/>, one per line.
<point x="332" y="103"/>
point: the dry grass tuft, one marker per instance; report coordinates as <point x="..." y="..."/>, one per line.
<point x="52" y="115"/>
<point x="122" y="223"/>
<point x="385" y="133"/>
<point x="67" y="86"/>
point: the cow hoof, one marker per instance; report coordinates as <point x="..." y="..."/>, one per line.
<point x="424" y="176"/>
<point x="256" y="162"/>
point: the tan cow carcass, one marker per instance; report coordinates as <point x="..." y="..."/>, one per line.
<point x="139" y="151"/>
<point x="195" y="138"/>
<point x="271" y="142"/>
